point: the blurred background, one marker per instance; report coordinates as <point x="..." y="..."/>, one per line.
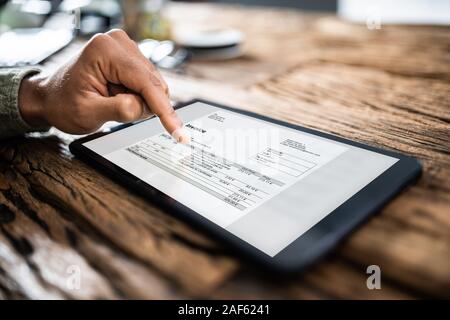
<point x="49" y="25"/>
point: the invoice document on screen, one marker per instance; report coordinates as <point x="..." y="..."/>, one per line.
<point x="233" y="164"/>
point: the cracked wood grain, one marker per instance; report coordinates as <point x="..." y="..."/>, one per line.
<point x="139" y="229"/>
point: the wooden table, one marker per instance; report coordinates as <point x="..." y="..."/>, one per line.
<point x="389" y="88"/>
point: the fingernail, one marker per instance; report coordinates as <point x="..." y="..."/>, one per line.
<point x="181" y="136"/>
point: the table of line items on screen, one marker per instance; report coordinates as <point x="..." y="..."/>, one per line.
<point x="220" y="177"/>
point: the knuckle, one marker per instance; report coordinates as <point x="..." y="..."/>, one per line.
<point x="151" y="66"/>
<point x="128" y="110"/>
<point x="163" y="83"/>
<point x="165" y="87"/>
<point x="127" y="101"/>
<point x="155" y="80"/>
<point x="100" y="40"/>
<point x="117" y="32"/>
<point x="127" y="114"/>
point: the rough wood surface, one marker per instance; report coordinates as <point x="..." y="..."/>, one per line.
<point x="388" y="88"/>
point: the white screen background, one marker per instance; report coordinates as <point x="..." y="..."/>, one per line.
<point x="277" y="222"/>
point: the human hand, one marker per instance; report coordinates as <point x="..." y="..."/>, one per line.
<point x="108" y="80"/>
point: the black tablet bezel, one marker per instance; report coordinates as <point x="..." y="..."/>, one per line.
<point x="309" y="246"/>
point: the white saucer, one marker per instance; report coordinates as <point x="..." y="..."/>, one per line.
<point x="213" y="38"/>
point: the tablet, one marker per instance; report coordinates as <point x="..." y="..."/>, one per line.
<point x="278" y="193"/>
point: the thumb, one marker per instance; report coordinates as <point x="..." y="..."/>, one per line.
<point x="124" y="107"/>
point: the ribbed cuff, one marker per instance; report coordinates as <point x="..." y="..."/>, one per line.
<point x="12" y="122"/>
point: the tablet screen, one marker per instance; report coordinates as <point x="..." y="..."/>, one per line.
<point x="265" y="183"/>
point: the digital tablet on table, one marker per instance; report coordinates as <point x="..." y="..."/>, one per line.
<point x="279" y="194"/>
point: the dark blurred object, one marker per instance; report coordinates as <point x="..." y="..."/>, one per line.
<point x="313" y="5"/>
<point x="92" y="16"/>
<point x="99" y="16"/>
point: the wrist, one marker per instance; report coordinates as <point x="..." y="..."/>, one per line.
<point x="31" y="101"/>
